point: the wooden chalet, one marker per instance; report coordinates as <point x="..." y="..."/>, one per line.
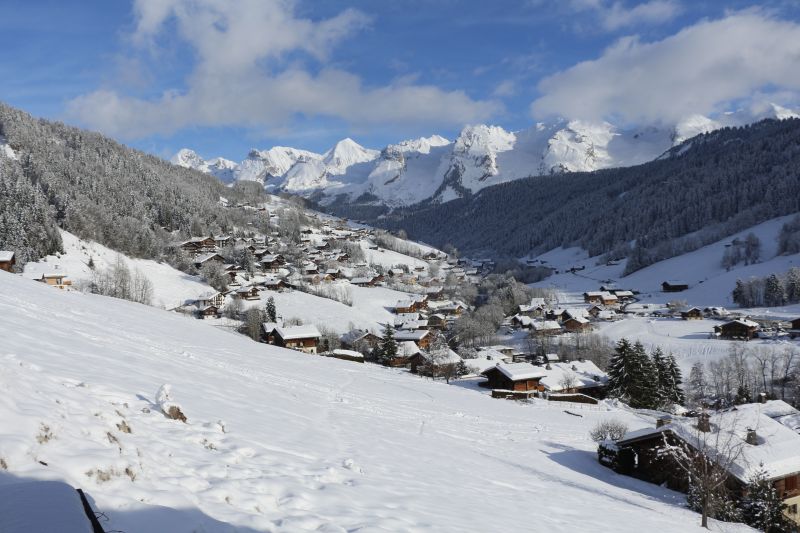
<point x="516" y="377"/>
<point x="422" y="337"/>
<point x="216" y="299"/>
<point x="209" y="311"/>
<point x="577" y="325"/>
<point x="199" y="245"/>
<point x="274" y="284"/>
<point x="271" y="263"/>
<point x="360" y="340"/>
<point x="762" y="435"/>
<point x="7" y="260"/>
<point x="363" y="281"/>
<point x="692" y="313"/>
<point x="795" y="328"/>
<point x="674" y="286"/>
<point x="301" y="338"/>
<point x="203" y="259"/>
<point x="57" y="280"/>
<point x="545" y="328"/>
<point x="420" y="362"/>
<point x="741" y="329"/>
<point x="437" y="321"/>
<point x="248" y="293"/>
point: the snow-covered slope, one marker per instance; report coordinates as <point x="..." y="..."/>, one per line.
<point x="171" y="287"/>
<point x="281" y="441"/>
<point x="222" y="168"/>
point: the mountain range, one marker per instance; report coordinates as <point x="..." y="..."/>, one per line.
<point x="435" y="169"/>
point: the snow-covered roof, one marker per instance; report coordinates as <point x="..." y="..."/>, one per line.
<point x="6" y="255"/>
<point x="411" y="335"/>
<point x="298" y="332"/>
<point x="519" y="371"/>
<point x="777" y="444"/>
<point x="545" y="325"/>
<point x="585" y="374"/>
<point x="407" y="348"/>
<point x="450" y="358"/>
<point x="205" y="257"/>
<point x="348" y="353"/>
<point x="744" y="322"/>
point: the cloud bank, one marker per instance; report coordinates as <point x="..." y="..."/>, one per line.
<point x="251" y="67"/>
<point x="701" y="69"/>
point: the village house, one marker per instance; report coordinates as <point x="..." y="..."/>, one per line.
<point x="248" y="293"/>
<point x="692" y="313"/>
<point x="593" y="297"/>
<point x="273" y="284"/>
<point x="513" y="377"/>
<point x="740" y="329"/>
<point x="7" y="260"/>
<point x="421" y="362"/>
<point x="302" y="338"/>
<point x="55" y="279"/>
<point x="201" y="260"/>
<point x="272" y="263"/>
<point x="422" y="337"/>
<point x="756" y="435"/>
<point x="208" y="311"/>
<point x="577" y="325"/>
<point x="199" y="245"/>
<point x="360" y="340"/>
<point x="674" y="286"/>
<point x="574" y="377"/>
<point x="365" y="281"/>
<point x="214" y="298"/>
<point x="543" y="328"/>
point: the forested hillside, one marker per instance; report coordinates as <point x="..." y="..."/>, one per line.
<point x="700" y="191"/>
<point x="59" y="176"/>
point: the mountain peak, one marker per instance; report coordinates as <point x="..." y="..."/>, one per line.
<point x="346" y="153"/>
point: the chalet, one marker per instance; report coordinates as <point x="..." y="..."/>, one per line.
<point x="517" y="377"/>
<point x="593" y="297"/>
<point x="737" y="329"/>
<point x="422" y="337"/>
<point x="223" y="240"/>
<point x="609" y="299"/>
<point x="522" y="321"/>
<point x="577" y="325"/>
<point x="366" y="281"/>
<point x="216" y="299"/>
<point x="581" y="376"/>
<point x="247" y="293"/>
<point x="674" y="286"/>
<point x="396" y="272"/>
<point x="199" y="245"/>
<point x="301" y="338"/>
<point x="595" y="310"/>
<point x="57" y="280"/>
<point x="624" y="296"/>
<point x="420" y="362"/>
<point x="274" y="284"/>
<point x="545" y="328"/>
<point x="208" y="311"/>
<point x="437" y="321"/>
<point x="271" y="263"/>
<point x="360" y="340"/>
<point x="332" y="274"/>
<point x="534" y="309"/>
<point x="756" y="432"/>
<point x="434" y="293"/>
<point x="692" y="313"/>
<point x="794" y="331"/>
<point x="201" y="260"/>
<point x="7" y="260"/>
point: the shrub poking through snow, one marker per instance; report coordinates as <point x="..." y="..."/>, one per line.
<point x="167" y="405"/>
<point x="608" y="430"/>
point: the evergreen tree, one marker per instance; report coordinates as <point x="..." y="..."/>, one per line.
<point x="739" y="294"/>
<point x="272" y="312"/>
<point x="664" y="380"/>
<point x="388" y="348"/>
<point x="644" y="382"/>
<point x="742" y="395"/>
<point x="773" y="292"/>
<point x="762" y="507"/>
<point x="619" y="370"/>
<point x="675" y="392"/>
<point x="793" y="285"/>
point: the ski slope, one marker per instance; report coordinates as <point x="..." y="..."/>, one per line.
<point x="280" y="441"/>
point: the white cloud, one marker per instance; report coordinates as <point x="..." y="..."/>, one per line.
<point x="698" y="70"/>
<point x="616" y="15"/>
<point x="505" y="88"/>
<point x="249" y="70"/>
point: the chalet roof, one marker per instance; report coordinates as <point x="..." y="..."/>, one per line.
<point x="517" y="371"/>
<point x="624" y="294"/>
<point x="585" y="373"/>
<point x="545" y="325"/>
<point x="451" y="357"/>
<point x="407" y="348"/>
<point x="743" y="322"/>
<point x="777" y="444"/>
<point x="205" y="257"/>
<point x="6" y="255"/>
<point x="298" y="332"/>
<point x="411" y="335"/>
<point x="578" y="319"/>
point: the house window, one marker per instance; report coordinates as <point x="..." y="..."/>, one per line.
<point x="792" y="509"/>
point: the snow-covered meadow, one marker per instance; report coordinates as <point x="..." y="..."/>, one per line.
<point x="281" y="441"/>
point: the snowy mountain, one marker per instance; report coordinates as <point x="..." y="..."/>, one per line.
<point x="279" y="441"/>
<point x="436" y="169"/>
<point x="222" y="168"/>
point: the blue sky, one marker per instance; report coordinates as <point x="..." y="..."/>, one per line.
<point x="223" y="76"/>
